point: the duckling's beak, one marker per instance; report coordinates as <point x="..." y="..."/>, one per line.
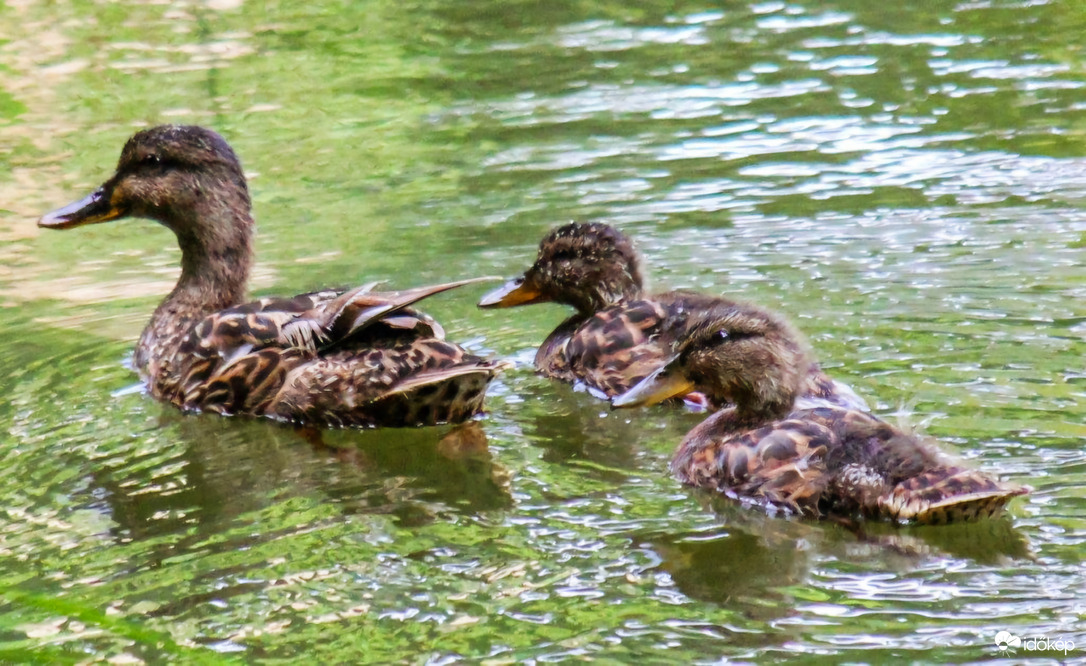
<point x="514" y="292"/>
<point x="96" y="207"/>
<point x="667" y="382"/>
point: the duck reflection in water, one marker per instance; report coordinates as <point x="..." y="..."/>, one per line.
<point x="207" y="474"/>
<point x="753" y="561"/>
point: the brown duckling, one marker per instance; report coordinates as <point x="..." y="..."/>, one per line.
<point x="614" y="339"/>
<point x="356" y="357"/>
<point x="779" y="448"/>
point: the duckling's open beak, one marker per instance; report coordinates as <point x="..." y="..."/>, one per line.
<point x="96" y="207"/>
<point x="667" y="382"/>
<point x="514" y="292"/>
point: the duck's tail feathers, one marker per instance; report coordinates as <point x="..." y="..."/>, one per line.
<point x="947" y="495"/>
<point x="357" y="308"/>
<point x="449" y="395"/>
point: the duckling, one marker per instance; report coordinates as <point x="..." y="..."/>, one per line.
<point x="338" y="358"/>
<point x="614" y="340"/>
<point x="775" y="446"/>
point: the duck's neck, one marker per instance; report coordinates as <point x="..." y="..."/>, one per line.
<point x="755" y="415"/>
<point x="215" y="267"/>
<point x="595" y="295"/>
<point x="754" y="408"/>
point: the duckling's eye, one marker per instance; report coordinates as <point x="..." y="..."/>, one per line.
<point x="717" y="338"/>
<point x="151" y="159"/>
<point x="728" y="336"/>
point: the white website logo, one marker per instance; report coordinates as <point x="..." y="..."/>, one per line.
<point x="1007" y="643"/>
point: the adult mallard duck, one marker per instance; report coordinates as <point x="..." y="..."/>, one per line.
<point x="778" y="447"/>
<point x="356" y="357"/>
<point x="614" y="340"/>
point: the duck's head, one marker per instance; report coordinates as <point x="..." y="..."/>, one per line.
<point x="186" y="177"/>
<point x="734" y="353"/>
<point x="589" y="266"/>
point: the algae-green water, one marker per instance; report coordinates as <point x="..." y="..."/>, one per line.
<point x="905" y="180"/>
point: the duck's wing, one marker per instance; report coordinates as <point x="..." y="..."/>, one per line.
<point x="311" y="322"/>
<point x="947" y="495"/>
<point x="610" y="351"/>
<point x="780" y="465"/>
<point x="395" y="382"/>
<point x="243" y="359"/>
<point x="820" y="390"/>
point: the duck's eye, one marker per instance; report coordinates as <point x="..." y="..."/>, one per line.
<point x="729" y="336"/>
<point x="718" y="338"/>
<point x="151" y="159"/>
<point x="726" y="336"/>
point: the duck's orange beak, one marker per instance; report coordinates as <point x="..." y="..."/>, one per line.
<point x="95" y="207"/>
<point x="515" y="292"/>
<point x="667" y="382"/>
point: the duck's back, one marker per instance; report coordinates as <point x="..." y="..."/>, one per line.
<point x="395" y="379"/>
<point x="834" y="461"/>
<point x="355" y="358"/>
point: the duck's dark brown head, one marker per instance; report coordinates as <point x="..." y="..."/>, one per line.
<point x="186" y="177"/>
<point x="735" y="353"/>
<point x="589" y="266"/>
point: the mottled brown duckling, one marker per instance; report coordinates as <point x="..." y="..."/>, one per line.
<point x="614" y="339"/>
<point x="777" y="447"/>
<point x="356" y="357"/>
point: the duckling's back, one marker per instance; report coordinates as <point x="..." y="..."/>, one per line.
<point x="878" y="471"/>
<point x="835" y="461"/>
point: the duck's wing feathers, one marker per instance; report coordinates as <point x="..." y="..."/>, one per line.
<point x="312" y="322"/>
<point x="312" y="358"/>
<point x="396" y="382"/>
<point x="836" y="461"/>
<point x="880" y="471"/>
<point x="610" y="351"/>
<point x="779" y="465"/>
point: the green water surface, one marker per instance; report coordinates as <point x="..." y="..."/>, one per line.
<point x="904" y="179"/>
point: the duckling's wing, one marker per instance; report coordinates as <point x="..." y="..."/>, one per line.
<point x="947" y="494"/>
<point x="883" y="472"/>
<point x="612" y="350"/>
<point x="780" y="465"/>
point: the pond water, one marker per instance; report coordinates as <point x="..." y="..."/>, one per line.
<point x="904" y="179"/>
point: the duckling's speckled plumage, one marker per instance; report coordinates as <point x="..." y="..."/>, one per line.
<point x="615" y="339"/>
<point x="357" y="357"/>
<point x="779" y="448"/>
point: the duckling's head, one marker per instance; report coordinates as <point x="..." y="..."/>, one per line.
<point x="734" y="353"/>
<point x="185" y="177"/>
<point x="587" y="265"/>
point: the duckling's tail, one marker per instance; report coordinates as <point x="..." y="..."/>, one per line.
<point x="946" y="495"/>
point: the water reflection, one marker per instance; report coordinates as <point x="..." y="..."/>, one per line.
<point x="227" y="470"/>
<point x="571" y="425"/>
<point x="739" y="568"/>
